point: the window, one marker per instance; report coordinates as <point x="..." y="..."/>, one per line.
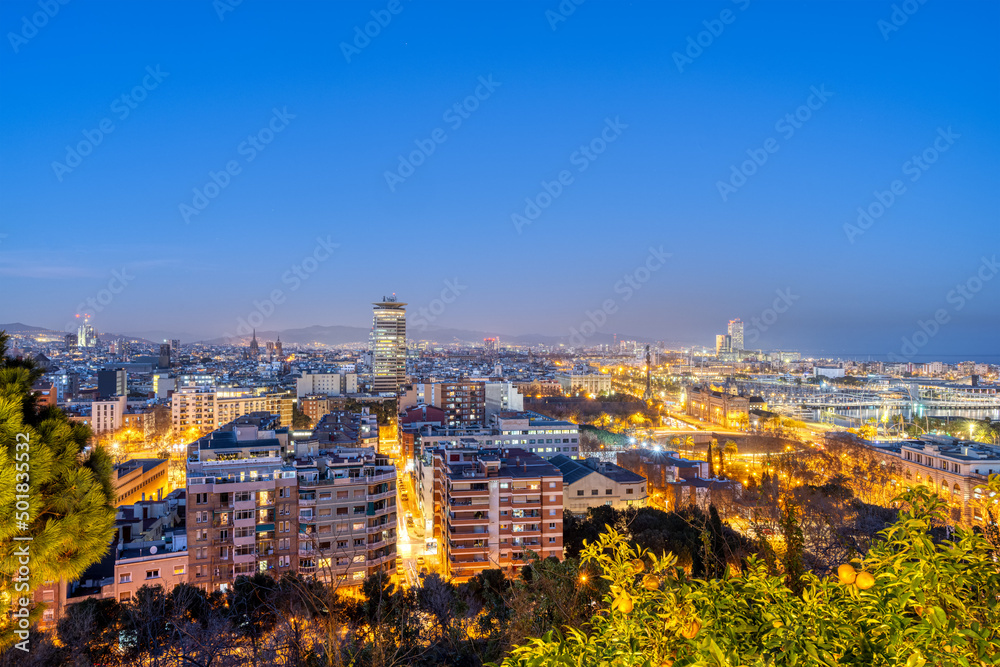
<point x="579" y="492"/>
<point x="152" y="574"/>
<point x="552" y="525"/>
<point x="124" y="597"/>
<point x="593" y="492"/>
<point x="341" y="511"/>
<point x="607" y="492"/>
<point x="628" y="491"/>
<point x="125" y="578"/>
<point x="551" y="540"/>
<point x="179" y="569"/>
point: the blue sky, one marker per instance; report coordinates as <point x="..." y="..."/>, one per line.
<point x="887" y="96"/>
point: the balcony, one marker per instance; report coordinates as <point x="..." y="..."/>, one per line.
<point x="475" y="546"/>
<point x="468" y="518"/>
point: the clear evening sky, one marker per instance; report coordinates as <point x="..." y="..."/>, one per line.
<point x="634" y="114"/>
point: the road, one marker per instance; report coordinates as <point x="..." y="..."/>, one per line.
<point x="409" y="541"/>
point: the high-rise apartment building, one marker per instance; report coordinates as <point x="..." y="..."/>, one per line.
<point x="242" y="514"/>
<point x="388" y="345"/>
<point x="736" y="335"/>
<point x="493" y="506"/>
<point x="464" y="403"/>
<point x="346" y="514"/>
<point x="330" y="513"/>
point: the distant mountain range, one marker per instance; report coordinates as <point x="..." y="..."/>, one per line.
<point x="336" y="335"/>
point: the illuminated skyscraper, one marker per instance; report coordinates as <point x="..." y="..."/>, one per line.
<point x="736" y="334"/>
<point x="388" y="345"/>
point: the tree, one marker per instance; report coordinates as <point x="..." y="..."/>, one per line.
<point x="300" y="419"/>
<point x="792" y="559"/>
<point x="53" y="489"/>
<point x="912" y="601"/>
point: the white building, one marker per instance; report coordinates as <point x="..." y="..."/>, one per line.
<point x="106" y="415"/>
<point x="592" y="383"/>
<point x="326" y="384"/>
<point x="502" y="397"/>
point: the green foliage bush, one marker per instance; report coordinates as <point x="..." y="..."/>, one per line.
<point x="932" y="603"/>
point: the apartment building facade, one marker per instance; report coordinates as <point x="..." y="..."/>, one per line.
<point x="208" y="408"/>
<point x="107" y="415"/>
<point x="463" y="402"/>
<point x="493" y="508"/>
<point x="347" y="515"/>
<point x="242" y="508"/>
<point x="326" y="384"/>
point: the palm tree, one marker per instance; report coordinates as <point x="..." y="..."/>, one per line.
<point x="730" y="448"/>
<point x="43" y="457"/>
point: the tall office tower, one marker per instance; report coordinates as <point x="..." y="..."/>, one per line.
<point x="722" y="343"/>
<point x="388" y="345"/>
<point x="69" y="340"/>
<point x="124" y="349"/>
<point x="736" y="334"/>
<point x="175" y="350"/>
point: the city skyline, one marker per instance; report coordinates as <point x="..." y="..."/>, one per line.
<point x="654" y="164"/>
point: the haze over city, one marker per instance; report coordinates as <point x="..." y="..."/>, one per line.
<point x="743" y="155"/>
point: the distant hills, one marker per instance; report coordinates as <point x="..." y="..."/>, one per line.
<point x="336" y="335"/>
